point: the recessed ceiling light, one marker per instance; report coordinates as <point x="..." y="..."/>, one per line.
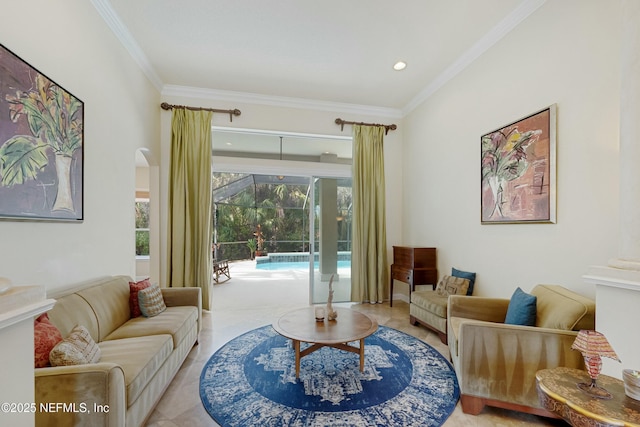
<point x="228" y="143"/>
<point x="400" y="65"/>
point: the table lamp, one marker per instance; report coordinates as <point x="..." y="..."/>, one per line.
<point x="593" y="345"/>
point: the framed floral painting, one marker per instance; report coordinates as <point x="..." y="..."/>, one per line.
<point x="41" y="145"/>
<point x="518" y="163"/>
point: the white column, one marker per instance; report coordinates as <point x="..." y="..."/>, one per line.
<point x="629" y="256"/>
<point x="618" y="284"/>
<point x="328" y="259"/>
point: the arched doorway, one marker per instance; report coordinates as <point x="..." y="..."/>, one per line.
<point x="147" y="208"/>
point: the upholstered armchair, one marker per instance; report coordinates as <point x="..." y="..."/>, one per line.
<point x="496" y="363"/>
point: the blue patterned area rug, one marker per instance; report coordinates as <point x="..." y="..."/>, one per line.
<point x="251" y="381"/>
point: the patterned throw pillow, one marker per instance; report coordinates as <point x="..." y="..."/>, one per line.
<point x="46" y="336"/>
<point x="465" y="275"/>
<point x="151" y="301"/>
<point x="134" y="288"/>
<point x="76" y="349"/>
<point x="450" y="285"/>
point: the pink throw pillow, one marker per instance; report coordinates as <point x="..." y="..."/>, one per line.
<point x="46" y="336"/>
<point x="134" y="287"/>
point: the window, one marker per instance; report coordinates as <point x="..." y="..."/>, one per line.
<point x="142" y="227"/>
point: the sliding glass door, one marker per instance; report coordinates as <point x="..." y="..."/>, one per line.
<point x="297" y="188"/>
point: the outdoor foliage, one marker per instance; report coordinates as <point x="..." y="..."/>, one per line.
<point x="142" y="228"/>
<point x="281" y="210"/>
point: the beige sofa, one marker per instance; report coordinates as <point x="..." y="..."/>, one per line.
<point x="496" y="363"/>
<point x="139" y="356"/>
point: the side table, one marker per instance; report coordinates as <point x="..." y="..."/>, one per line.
<point x="415" y="266"/>
<point x="559" y="394"/>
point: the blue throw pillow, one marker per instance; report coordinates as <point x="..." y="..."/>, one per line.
<point x="465" y="275"/>
<point x="522" y="309"/>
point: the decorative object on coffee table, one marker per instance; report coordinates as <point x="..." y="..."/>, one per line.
<point x="331" y="313"/>
<point x="593" y="345"/>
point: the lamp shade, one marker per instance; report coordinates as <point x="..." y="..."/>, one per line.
<point x="593" y="343"/>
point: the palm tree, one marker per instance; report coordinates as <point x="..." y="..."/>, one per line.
<point x="55" y="122"/>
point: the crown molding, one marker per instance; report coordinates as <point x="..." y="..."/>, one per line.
<point x="512" y="20"/>
<point x="279" y="101"/>
<point x="121" y="32"/>
<point x="116" y="25"/>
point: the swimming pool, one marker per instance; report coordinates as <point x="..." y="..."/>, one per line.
<point x="295" y="265"/>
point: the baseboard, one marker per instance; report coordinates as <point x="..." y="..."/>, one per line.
<point x="401" y="297"/>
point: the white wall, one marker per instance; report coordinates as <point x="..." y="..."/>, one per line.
<point x="71" y="44"/>
<point x="302" y="120"/>
<point x="565" y="53"/>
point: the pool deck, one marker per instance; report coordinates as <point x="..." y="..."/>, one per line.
<point x="271" y="287"/>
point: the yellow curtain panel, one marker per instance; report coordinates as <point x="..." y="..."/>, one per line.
<point x="369" y="251"/>
<point x="189" y="260"/>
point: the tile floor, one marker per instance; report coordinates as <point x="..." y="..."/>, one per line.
<point x="250" y="300"/>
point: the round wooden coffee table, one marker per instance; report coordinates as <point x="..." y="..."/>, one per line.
<point x="301" y="326"/>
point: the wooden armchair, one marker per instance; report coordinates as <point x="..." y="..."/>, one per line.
<point x="221" y="268"/>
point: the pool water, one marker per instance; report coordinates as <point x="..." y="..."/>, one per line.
<point x="295" y="265"/>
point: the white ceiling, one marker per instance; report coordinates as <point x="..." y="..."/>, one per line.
<point x="326" y="51"/>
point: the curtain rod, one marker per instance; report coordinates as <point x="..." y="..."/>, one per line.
<point x="231" y="113"/>
<point x="387" y="128"/>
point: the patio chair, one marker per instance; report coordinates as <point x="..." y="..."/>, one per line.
<point x="221" y="268"/>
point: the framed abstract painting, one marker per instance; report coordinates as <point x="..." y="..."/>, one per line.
<point x="518" y="163"/>
<point x="41" y="145"/>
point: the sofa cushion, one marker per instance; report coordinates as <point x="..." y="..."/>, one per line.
<point x="465" y="275"/>
<point x="431" y="301"/>
<point x="45" y="338"/>
<point x="76" y="349"/>
<point x="522" y="309"/>
<point x="140" y="359"/>
<point x="560" y="308"/>
<point x="72" y="310"/>
<point x="174" y="321"/>
<point x="110" y="302"/>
